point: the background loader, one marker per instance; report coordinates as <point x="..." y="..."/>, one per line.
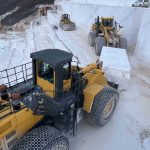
<point x="66" y="24"/>
<point x="39" y="108"/>
<point x="105" y="33"/>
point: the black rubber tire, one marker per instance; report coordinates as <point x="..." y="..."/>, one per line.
<point x="99" y="43"/>
<point x="61" y="24"/>
<point x="43" y="138"/>
<point x="95" y="117"/>
<point x="91" y="38"/>
<point x="75" y="27"/>
<point x="123" y="43"/>
<point x="132" y="5"/>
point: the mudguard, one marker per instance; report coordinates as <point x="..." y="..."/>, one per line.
<point x="89" y="94"/>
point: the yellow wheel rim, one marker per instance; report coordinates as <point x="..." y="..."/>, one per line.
<point x="109" y="107"/>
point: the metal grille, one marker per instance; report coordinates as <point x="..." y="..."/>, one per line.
<point x="8" y="136"/>
<point x="11" y="139"/>
<point x="12" y="142"/>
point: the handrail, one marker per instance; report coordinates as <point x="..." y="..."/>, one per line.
<point x="16" y="75"/>
<point x="16" y="66"/>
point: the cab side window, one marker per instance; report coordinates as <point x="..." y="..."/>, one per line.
<point x="45" y="71"/>
<point x="66" y="71"/>
<point x="107" y="23"/>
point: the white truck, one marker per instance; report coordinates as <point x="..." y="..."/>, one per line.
<point x="141" y="3"/>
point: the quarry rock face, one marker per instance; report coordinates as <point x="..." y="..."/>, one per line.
<point x="135" y="22"/>
<point x="142" y="50"/>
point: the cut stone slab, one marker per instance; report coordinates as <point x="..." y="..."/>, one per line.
<point x="116" y="66"/>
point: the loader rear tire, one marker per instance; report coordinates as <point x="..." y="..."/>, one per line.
<point x="123" y="43"/>
<point x="43" y="137"/>
<point x="61" y="24"/>
<point x="98" y="116"/>
<point x="91" y="38"/>
<point x="99" y="43"/>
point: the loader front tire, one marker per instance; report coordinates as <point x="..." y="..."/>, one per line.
<point x="99" y="43"/>
<point x="43" y="138"/>
<point x="123" y="43"/>
<point x="103" y="107"/>
<point x="91" y="38"/>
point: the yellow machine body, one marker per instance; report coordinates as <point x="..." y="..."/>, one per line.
<point x="65" y="19"/>
<point x="14" y="125"/>
<point x="96" y="82"/>
<point x="109" y="31"/>
<point x="94" y="26"/>
<point x="66" y="23"/>
<point x="47" y="79"/>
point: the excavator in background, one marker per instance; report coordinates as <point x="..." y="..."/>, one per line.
<point x="66" y="23"/>
<point x="40" y="106"/>
<point x="104" y="32"/>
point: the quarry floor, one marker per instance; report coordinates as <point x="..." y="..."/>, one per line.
<point x="129" y="128"/>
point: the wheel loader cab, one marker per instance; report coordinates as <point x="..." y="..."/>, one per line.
<point x="65" y="16"/>
<point x="52" y="71"/>
<point x="103" y="23"/>
<point x="107" y="22"/>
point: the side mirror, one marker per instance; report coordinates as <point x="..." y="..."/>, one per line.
<point x="120" y="26"/>
<point x="78" y="68"/>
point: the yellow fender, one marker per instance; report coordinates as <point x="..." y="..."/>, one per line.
<point x="89" y="94"/>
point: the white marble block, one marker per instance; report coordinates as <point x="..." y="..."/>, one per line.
<point x="116" y="66"/>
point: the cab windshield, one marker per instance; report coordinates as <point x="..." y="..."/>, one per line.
<point x="45" y="71"/>
<point x="107" y="22"/>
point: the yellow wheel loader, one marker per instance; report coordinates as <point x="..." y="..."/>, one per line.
<point x="104" y="32"/>
<point x="66" y="24"/>
<point x="42" y="10"/>
<point x="39" y="108"/>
